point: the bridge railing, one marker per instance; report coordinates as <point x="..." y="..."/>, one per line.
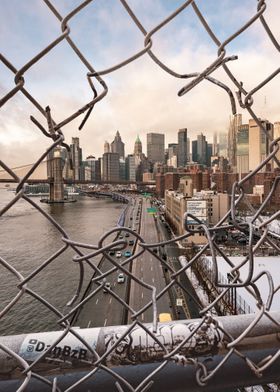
<point x="207" y="347"/>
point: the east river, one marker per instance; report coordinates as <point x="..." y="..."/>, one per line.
<point x="27" y="239"/>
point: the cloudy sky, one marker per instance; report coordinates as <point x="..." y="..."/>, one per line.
<point x="141" y="97"/>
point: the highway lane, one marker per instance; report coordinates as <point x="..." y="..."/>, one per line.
<point x="148" y="268"/>
<point x="103" y="309"/>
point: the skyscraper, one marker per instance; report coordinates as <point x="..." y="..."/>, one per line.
<point x="155" y="147"/>
<point x="258" y="142"/>
<point x="235" y="121"/>
<point x="201" y="149"/>
<point x="215" y="144"/>
<point x="106" y="146"/>
<point x="111" y="166"/>
<point x="182" y="157"/>
<point x="242" y="149"/>
<point x="117" y="145"/>
<point x="76" y="153"/>
<point x="137" y="146"/>
<point x="194" y="151"/>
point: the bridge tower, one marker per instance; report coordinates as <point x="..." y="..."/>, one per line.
<point x="55" y="169"/>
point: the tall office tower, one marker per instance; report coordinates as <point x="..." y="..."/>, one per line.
<point x="106" y="146"/>
<point x="235" y="121"/>
<point x="76" y="153"/>
<point x="155" y="147"/>
<point x="92" y="169"/>
<point x="111" y="166"/>
<point x="188" y="150"/>
<point x="130" y="168"/>
<point x="194" y="150"/>
<point x="209" y="149"/>
<point x="276" y="129"/>
<point x="172" y="150"/>
<point x="259" y="142"/>
<point x="215" y="145"/>
<point x="137" y="146"/>
<point x="201" y="149"/>
<point x="242" y="149"/>
<point x="223" y="144"/>
<point x="182" y="158"/>
<point x="117" y="145"/>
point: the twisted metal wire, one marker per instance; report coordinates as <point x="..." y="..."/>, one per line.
<point x="86" y="253"/>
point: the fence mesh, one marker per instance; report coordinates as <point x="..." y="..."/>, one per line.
<point x="207" y="330"/>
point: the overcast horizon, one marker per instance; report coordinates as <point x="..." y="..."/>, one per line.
<point x="142" y="98"/>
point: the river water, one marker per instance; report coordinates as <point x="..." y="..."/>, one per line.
<point x="27" y="239"/>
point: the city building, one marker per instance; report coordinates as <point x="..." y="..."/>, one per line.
<point x="76" y="154"/>
<point x="117" y="145"/>
<point x="215" y="151"/>
<point x="201" y="149"/>
<point x="182" y="157"/>
<point x="130" y="167"/>
<point x="223" y="144"/>
<point x="259" y="142"/>
<point x="138" y="146"/>
<point x="206" y="206"/>
<point x="235" y="122"/>
<point x="92" y="169"/>
<point x="242" y="149"/>
<point x="106" y="146"/>
<point x="110" y="166"/>
<point x="276" y="135"/>
<point x="155" y="147"/>
<point x="194" y="151"/>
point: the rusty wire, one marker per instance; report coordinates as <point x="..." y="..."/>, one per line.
<point x="85" y="253"/>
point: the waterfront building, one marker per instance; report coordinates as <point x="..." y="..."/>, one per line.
<point x="110" y="166"/>
<point x="155" y="147"/>
<point x="182" y="157"/>
<point x="76" y="154"/>
<point x="117" y="145"/>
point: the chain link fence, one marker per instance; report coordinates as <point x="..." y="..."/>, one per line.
<point x="186" y="342"/>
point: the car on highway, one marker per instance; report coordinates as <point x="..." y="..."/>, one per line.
<point x="107" y="286"/>
<point x="131" y="242"/>
<point x="127" y="253"/>
<point x="119" y="254"/>
<point x="127" y="234"/>
<point x="120" y="237"/>
<point x="112" y="253"/>
<point x="121" y="278"/>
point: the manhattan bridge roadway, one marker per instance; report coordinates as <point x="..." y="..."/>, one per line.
<point x="103" y="309"/>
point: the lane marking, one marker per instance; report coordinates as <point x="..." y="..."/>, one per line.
<point x="89" y="324"/>
<point x="153" y="280"/>
<point x="142" y="294"/>
<point x="97" y="301"/>
<point x="151" y="268"/>
<point x="110" y="300"/>
<point x="142" y="317"/>
<point x="105" y="322"/>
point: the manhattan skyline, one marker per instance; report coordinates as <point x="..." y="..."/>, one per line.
<point x="141" y="97"/>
